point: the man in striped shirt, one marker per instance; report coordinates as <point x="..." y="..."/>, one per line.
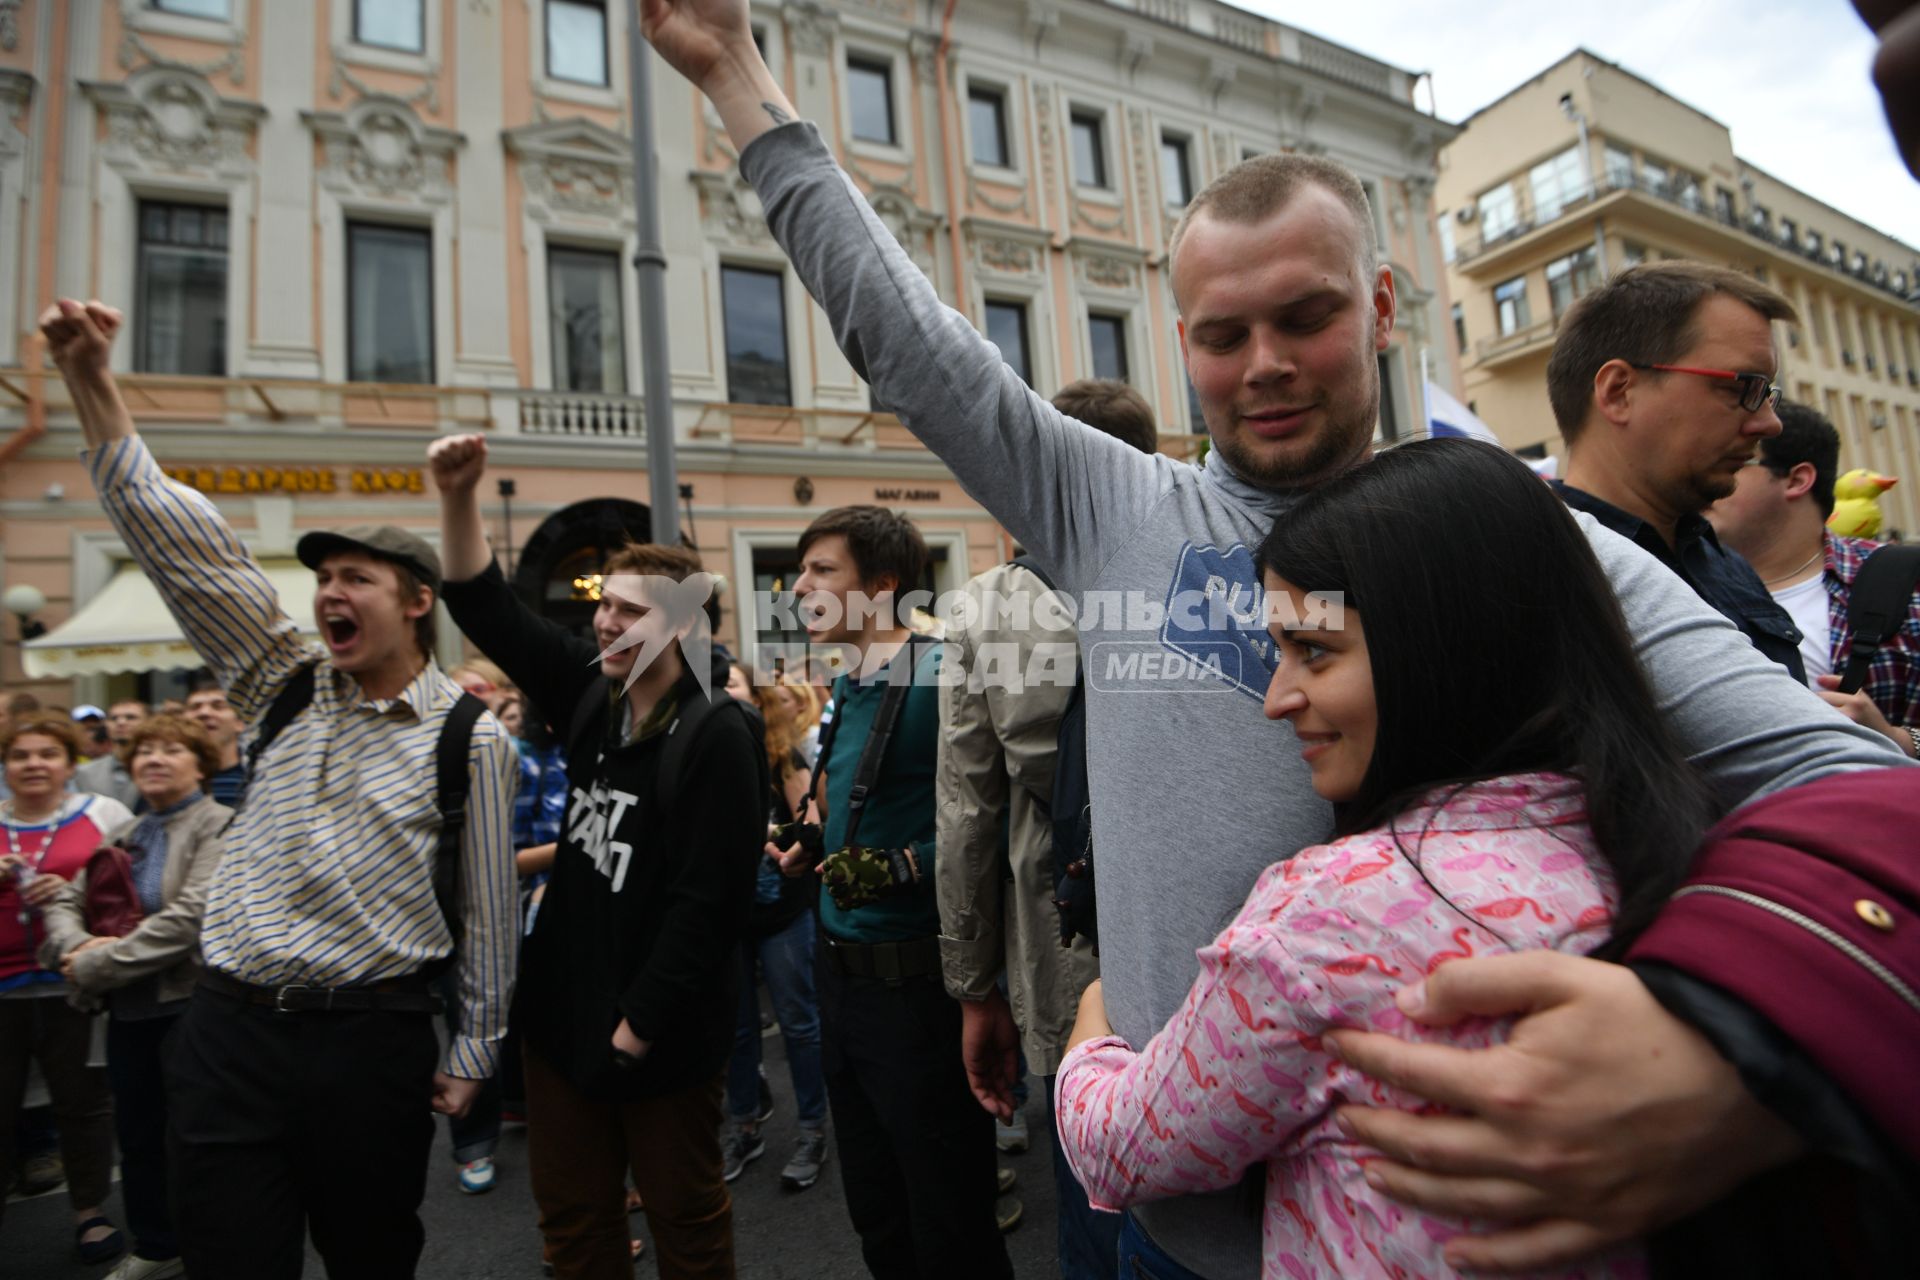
<point x="300" y="1075"/>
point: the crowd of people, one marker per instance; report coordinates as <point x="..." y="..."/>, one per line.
<point x="1563" y="923"/>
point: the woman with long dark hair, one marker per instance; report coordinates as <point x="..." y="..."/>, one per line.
<point x="1456" y="669"/>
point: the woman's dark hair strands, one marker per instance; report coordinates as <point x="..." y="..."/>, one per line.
<point x="1497" y="647"/>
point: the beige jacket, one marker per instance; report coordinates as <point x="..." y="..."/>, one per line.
<point x="166" y="945"/>
<point x="1000" y="731"/>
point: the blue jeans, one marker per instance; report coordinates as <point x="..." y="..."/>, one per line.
<point x="1141" y="1258"/>
<point x="786" y="958"/>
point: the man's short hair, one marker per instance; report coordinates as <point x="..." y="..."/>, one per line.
<point x="1110" y="405"/>
<point x="653" y="558"/>
<point x="1805" y="436"/>
<point x="206" y="682"/>
<point x="880" y="542"/>
<point x="1644" y="315"/>
<point x="1254" y="190"/>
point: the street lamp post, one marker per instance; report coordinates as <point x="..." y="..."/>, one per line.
<point x="650" y="267"/>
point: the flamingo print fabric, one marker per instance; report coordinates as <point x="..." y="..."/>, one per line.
<point x="1324" y="941"/>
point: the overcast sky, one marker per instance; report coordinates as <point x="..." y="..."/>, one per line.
<point x="1788" y="77"/>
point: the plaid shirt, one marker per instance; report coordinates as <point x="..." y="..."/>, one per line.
<point x="1893" y="680"/>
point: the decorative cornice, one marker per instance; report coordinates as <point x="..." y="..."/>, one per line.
<point x="171" y="120"/>
<point x="379" y="147"/>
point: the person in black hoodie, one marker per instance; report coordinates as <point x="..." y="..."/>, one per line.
<point x="625" y="996"/>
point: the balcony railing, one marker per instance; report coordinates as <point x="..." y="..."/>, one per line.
<point x="816" y="429"/>
<point x="582" y="415"/>
<point x="1688" y="198"/>
<point x="1512" y="343"/>
<point x="164" y="398"/>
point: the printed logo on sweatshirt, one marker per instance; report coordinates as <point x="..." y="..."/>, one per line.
<point x="596" y="815"/>
<point x="1216" y="606"/>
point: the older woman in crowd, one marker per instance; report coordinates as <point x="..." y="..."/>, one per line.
<point x="145" y="978"/>
<point x="46" y="836"/>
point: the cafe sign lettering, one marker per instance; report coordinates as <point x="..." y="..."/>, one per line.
<point x="300" y="479"/>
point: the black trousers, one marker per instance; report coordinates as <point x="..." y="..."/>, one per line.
<point x="134" y="1060"/>
<point x="281" y="1124"/>
<point x="916" y="1150"/>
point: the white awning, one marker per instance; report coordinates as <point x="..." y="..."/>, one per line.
<point x="127" y="627"/>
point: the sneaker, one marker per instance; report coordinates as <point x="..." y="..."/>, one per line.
<point x="476" y="1176"/>
<point x="1004" y="1183"/>
<point x="41" y="1173"/>
<point x="809" y="1153"/>
<point x="1007" y="1214"/>
<point x="740" y="1144"/>
<point x="135" y="1267"/>
<point x="766" y="1099"/>
<point x="1012" y="1137"/>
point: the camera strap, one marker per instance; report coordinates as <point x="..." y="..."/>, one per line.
<point x="873" y="753"/>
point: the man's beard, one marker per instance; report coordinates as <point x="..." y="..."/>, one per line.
<point x="1338" y="445"/>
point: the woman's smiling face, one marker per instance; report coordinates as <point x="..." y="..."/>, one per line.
<point x="1323" y="687"/>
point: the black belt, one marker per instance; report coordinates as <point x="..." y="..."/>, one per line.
<point x="393" y="995"/>
<point x="886" y="961"/>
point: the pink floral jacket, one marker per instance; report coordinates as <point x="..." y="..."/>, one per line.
<point x="1325" y="939"/>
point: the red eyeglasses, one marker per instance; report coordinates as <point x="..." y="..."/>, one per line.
<point x="1756" y="389"/>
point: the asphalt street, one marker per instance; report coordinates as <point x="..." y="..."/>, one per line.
<point x="778" y="1235"/>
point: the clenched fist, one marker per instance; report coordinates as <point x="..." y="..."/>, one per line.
<point x="457" y="462"/>
<point x="80" y="336"/>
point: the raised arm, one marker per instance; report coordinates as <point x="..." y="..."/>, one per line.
<point x="1068" y="493"/>
<point x="227" y="608"/>
<point x="458" y="463"/>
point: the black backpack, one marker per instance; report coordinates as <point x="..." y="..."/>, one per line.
<point x="1877" y="607"/>
<point x="1071" y="809"/>
<point x="451" y="786"/>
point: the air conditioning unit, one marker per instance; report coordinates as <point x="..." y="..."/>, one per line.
<point x="1465" y="213"/>
<point x="1869" y="362"/>
<point x="1879" y="422"/>
<point x="1846" y="358"/>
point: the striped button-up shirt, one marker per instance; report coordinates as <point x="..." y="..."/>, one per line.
<point x="1893" y="679"/>
<point x="327" y="878"/>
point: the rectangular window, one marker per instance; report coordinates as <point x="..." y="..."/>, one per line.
<point x="1557" y="183"/>
<point x="584" y="321"/>
<point x="1460" y="328"/>
<point x="577" y="41"/>
<point x="1498" y="214"/>
<point x="1571" y="276"/>
<point x="1723" y="207"/>
<point x="1510" y="304"/>
<point x="1760" y="218"/>
<point x="1619" y="167"/>
<point x="1446" y="237"/>
<point x="219" y="10"/>
<point x="1817" y="315"/>
<point x="1658" y="178"/>
<point x="870" y="99"/>
<point x="1389" y="426"/>
<point x="180" y="301"/>
<point x="1107" y="340"/>
<point x="753" y="307"/>
<point x="1007" y="330"/>
<point x="1176" y="175"/>
<point x="389" y="304"/>
<point x="1789" y="232"/>
<point x="987" y="123"/>
<point x="1089" y="150"/>
<point x="391" y="24"/>
<point x="1632" y="253"/>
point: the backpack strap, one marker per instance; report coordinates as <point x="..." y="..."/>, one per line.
<point x="1032" y="566"/>
<point x="452" y="784"/>
<point x="295" y="696"/>
<point x="1877" y="607"/>
<point x="683" y="733"/>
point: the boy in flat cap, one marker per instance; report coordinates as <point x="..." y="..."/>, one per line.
<point x="299" y="1080"/>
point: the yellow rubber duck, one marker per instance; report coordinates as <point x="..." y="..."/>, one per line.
<point x="1856" y="513"/>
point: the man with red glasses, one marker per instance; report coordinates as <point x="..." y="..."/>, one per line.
<point x="1662" y="383"/>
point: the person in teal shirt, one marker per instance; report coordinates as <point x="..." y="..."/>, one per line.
<point x="916" y="1151"/>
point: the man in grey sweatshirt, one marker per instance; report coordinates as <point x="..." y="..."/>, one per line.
<point x="1194" y="792"/>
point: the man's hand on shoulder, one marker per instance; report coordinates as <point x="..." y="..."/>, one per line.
<point x="1602" y="1116"/>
